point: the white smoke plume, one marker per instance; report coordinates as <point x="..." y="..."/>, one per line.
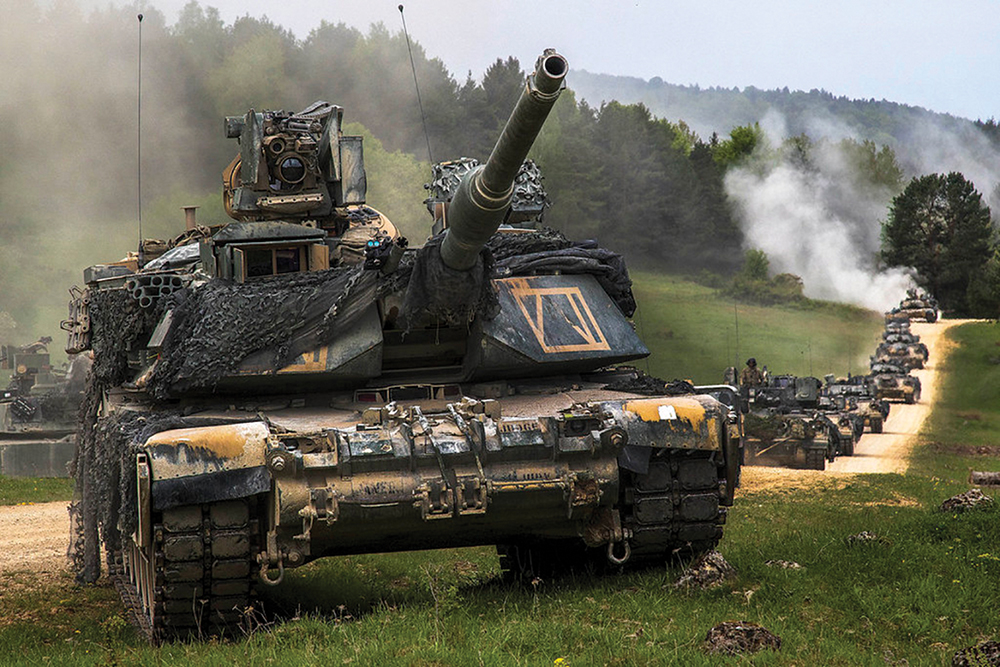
<point x="816" y="222"/>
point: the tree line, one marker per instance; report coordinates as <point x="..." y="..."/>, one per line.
<point x="645" y="186"/>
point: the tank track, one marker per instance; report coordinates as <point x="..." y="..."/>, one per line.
<point x="200" y="575"/>
<point x="673" y="511"/>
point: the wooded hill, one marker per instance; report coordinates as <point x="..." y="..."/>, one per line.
<point x="716" y="109"/>
<point x="647" y="187"/>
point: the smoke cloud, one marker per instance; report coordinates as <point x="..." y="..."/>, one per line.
<point x="818" y="222"/>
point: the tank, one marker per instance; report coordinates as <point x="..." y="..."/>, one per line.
<point x="300" y="383"/>
<point x="857" y="395"/>
<point x="909" y="356"/>
<point x="917" y="306"/>
<point x="893" y="382"/>
<point x="786" y="424"/>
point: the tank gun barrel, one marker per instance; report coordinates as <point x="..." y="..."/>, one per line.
<point x="484" y="195"/>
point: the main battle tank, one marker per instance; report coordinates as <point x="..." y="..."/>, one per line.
<point x="299" y="384"/>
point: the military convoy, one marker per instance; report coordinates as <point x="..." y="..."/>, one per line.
<point x="791" y="421"/>
<point x="299" y="383"/>
<point x="800" y="421"/>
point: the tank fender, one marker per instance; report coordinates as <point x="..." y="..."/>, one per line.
<point x="670" y="422"/>
<point x="207" y="464"/>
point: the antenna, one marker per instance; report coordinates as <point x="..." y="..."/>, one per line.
<point x="736" y="317"/>
<point x="413" y="67"/>
<point x="138" y="162"/>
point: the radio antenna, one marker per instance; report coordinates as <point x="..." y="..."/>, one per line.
<point x="138" y="162"/>
<point x="736" y="318"/>
<point x="416" y="85"/>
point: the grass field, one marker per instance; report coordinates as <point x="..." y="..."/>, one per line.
<point x="14" y="490"/>
<point x="692" y="333"/>
<point x="963" y="431"/>
<point x="925" y="588"/>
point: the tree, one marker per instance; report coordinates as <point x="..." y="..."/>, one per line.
<point x="740" y="145"/>
<point x="940" y="226"/>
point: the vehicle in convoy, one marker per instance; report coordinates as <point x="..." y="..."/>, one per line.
<point x="856" y="395"/>
<point x="39" y="403"/>
<point x="785" y="424"/>
<point x="892" y="382"/>
<point x="299" y="383"/>
<point x="906" y="355"/>
<point x="917" y="306"/>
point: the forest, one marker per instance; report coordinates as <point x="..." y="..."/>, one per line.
<point x="78" y="152"/>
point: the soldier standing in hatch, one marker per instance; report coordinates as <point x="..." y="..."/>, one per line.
<point x="751" y="375"/>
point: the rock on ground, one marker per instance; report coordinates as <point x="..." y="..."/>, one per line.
<point x="986" y="654"/>
<point x="970" y="500"/>
<point x="708" y="570"/>
<point x="732" y="638"/>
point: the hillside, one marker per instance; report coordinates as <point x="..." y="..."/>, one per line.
<point x="692" y="333"/>
<point x="714" y="109"/>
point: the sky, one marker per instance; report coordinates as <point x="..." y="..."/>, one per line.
<point x="943" y="56"/>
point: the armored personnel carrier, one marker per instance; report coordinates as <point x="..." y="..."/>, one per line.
<point x="893" y="382"/>
<point x="785" y="425"/>
<point x="299" y="384"/>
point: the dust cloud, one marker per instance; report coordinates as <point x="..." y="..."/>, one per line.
<point x="68" y="125"/>
<point x="817" y="221"/>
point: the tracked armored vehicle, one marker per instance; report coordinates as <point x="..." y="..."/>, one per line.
<point x="300" y="384"/>
<point x="918" y="306"/>
<point x="893" y="383"/>
<point x="785" y="425"/>
<point x="856" y="395"/>
<point x="903" y="354"/>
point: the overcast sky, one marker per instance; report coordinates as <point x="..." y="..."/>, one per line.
<point x="939" y="54"/>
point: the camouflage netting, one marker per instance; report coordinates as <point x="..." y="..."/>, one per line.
<point x="104" y="508"/>
<point x="647" y="385"/>
<point x="547" y="250"/>
<point x="437" y="293"/>
<point x="218" y="324"/>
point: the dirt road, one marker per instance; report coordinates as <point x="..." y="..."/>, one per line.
<point x="878" y="452"/>
<point x="34" y="539"/>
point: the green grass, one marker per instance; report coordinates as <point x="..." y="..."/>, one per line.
<point x="962" y="431"/>
<point x="924" y="590"/>
<point x="16" y="490"/>
<point x="692" y="333"/>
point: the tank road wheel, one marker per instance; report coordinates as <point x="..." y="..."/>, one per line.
<point x="875" y="423"/>
<point x="193" y="576"/>
<point x="815" y="459"/>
